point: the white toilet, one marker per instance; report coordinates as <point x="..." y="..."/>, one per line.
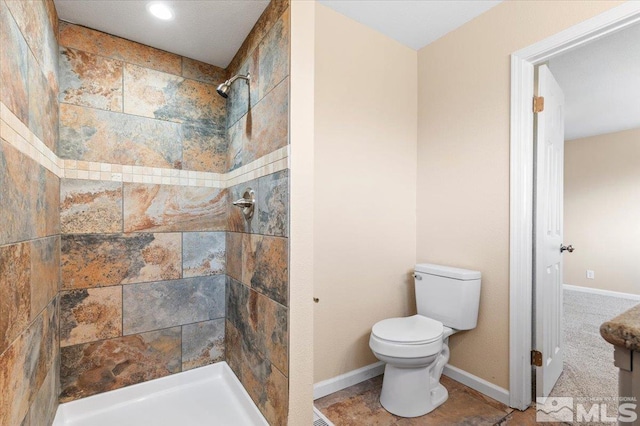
<point x="415" y="348"/>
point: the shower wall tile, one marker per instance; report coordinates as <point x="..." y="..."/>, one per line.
<point x="174" y="208"/>
<point x="17" y="207"/>
<point x="88" y="315"/>
<point x="204" y="148"/>
<point x="261" y="322"/>
<point x="236" y="138"/>
<point x="88" y="206"/>
<point x="234" y="255"/>
<point x="257" y="259"/>
<point x="52" y="14"/>
<point x="14" y="56"/>
<point x="164" y="96"/>
<point x="263" y="130"/>
<point x="45" y="272"/>
<point x="271" y="14"/>
<point x="243" y="95"/>
<point x="29" y="245"/>
<point x="272" y="198"/>
<point x="90" y="80"/>
<point x="33" y="20"/>
<point x="45" y="402"/>
<point x="43" y="107"/>
<point x="25" y="365"/>
<point x="103" y="136"/>
<point x="126" y="104"/>
<point x="148" y="91"/>
<point x="201" y="71"/>
<point x="269" y="126"/>
<point x="29" y="195"/>
<point x="15" y="291"/>
<point x="45" y="196"/>
<point x="265" y="266"/>
<point x="267" y="386"/>
<point x="203" y="253"/>
<point x="152" y="306"/>
<point x="236" y="221"/>
<point x="274" y="55"/>
<point x="91" y="368"/>
<point x="94" y="260"/>
<point x="103" y="44"/>
<point x="267" y="62"/>
<point x="202" y="343"/>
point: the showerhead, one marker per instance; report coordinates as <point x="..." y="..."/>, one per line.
<point x="223" y="89"/>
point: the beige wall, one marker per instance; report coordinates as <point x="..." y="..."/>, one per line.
<point x="301" y="214"/>
<point x="463" y="160"/>
<point x="601" y="211"/>
<point x="365" y="188"/>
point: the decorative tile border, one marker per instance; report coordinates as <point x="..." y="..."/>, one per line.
<point x="20" y="137"/>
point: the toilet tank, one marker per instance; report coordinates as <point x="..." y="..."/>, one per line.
<point x="449" y="295"/>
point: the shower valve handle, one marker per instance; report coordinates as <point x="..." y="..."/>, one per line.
<point x="243" y="203"/>
<point x="247" y="203"/>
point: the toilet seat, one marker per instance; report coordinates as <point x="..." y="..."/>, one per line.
<point x="413" y="330"/>
<point x="410" y="337"/>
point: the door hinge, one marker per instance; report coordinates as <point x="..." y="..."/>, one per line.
<point x="538" y="104"/>
<point x="536" y="358"/>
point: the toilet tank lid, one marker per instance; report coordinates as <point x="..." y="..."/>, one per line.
<point x="448" y="271"/>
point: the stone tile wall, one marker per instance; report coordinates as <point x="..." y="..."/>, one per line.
<point x="131" y="300"/>
<point x="258" y="111"/>
<point x="126" y="103"/>
<point x="136" y="284"/>
<point x="257" y="330"/>
<point x="142" y="265"/>
<point x="29" y="221"/>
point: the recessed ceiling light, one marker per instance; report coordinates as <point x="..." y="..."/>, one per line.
<point x="160" y="10"/>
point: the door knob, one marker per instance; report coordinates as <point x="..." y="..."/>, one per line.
<point x="568" y="248"/>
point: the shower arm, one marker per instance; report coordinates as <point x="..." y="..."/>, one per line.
<point x="236" y="77"/>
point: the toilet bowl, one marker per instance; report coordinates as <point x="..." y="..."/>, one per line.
<point x="415" y="349"/>
<point x="415" y="353"/>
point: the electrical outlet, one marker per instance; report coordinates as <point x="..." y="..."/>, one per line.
<point x="591" y="275"/>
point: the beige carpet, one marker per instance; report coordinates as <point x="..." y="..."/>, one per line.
<point x="588" y="361"/>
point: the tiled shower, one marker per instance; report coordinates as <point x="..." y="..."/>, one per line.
<point x="122" y="258"/>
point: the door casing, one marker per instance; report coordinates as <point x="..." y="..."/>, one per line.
<point x="521" y="184"/>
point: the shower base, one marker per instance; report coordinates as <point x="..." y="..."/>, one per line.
<point x="210" y="395"/>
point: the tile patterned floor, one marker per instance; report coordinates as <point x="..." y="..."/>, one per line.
<point x="359" y="405"/>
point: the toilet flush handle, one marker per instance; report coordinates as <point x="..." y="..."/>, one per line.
<point x="417" y="277"/>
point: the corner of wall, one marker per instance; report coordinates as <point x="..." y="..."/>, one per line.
<point x="302" y="212"/>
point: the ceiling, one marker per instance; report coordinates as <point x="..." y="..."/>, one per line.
<point x="414" y="23"/>
<point x="601" y="85"/>
<point x="210" y="31"/>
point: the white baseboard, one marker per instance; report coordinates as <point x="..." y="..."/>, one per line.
<point x="601" y="292"/>
<point x="475" y="382"/>
<point x="351" y="378"/>
<point x="345" y="380"/>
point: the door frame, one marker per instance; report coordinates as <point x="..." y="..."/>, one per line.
<point x="521" y="184"/>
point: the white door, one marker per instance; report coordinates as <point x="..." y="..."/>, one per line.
<point x="548" y="232"/>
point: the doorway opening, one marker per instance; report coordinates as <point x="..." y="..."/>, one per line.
<point x="587" y="200"/>
<point x="522" y="185"/>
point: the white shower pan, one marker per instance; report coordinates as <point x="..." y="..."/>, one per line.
<point x="210" y="395"/>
